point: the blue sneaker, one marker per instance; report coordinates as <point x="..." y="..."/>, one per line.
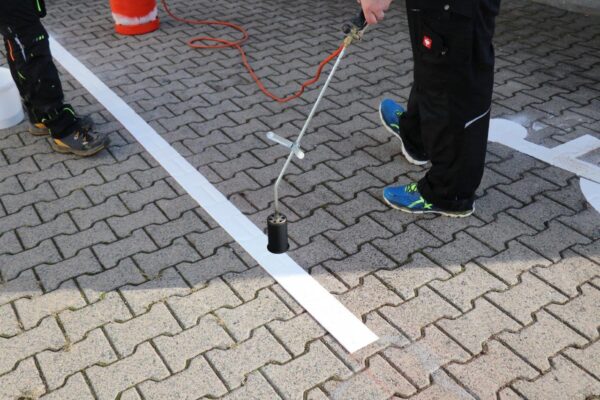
<point x="390" y="112"/>
<point x="408" y="199"/>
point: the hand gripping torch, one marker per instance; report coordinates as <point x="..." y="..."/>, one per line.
<point x="277" y="222"/>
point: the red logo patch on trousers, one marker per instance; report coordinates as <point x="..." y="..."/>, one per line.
<point x="427" y="42"/>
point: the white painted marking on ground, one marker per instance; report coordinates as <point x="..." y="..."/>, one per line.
<point x="326" y="309"/>
<point x="564" y="156"/>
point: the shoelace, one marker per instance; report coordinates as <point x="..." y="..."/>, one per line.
<point x="85" y="137"/>
<point x="411" y="188"/>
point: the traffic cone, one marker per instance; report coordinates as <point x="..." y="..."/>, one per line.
<point x="135" y="17"/>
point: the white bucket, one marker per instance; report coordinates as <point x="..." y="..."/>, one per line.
<point x="11" y="110"/>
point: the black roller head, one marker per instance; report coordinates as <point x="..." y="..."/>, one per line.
<point x="277" y="233"/>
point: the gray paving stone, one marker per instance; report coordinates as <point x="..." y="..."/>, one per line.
<point x="497" y="233"/>
<point x="306" y="204"/>
<point x="581" y="313"/>
<point x="366" y="261"/>
<point x="64" y="187"/>
<point x="15" y="202"/>
<point x="198" y="380"/>
<point x="13" y="265"/>
<point x="256" y="387"/>
<point x="297" y="376"/>
<point x="454" y="255"/>
<point x="31" y="311"/>
<point x="553" y="240"/>
<point x="47" y="335"/>
<point x="135" y="201"/>
<point x="56" y="366"/>
<point x="9" y="242"/>
<point x="75" y="389"/>
<point x="352" y="238"/>
<point x="168" y="283"/>
<point x="247" y="283"/>
<point x="25" y="286"/>
<point x="149" y="215"/>
<point x="85" y="218"/>
<point x="165" y="233"/>
<point x="52" y="275"/>
<point x="587" y="357"/>
<point x="223" y="261"/>
<point x="179" y="252"/>
<point x="492" y="203"/>
<point x="50" y="210"/>
<point x="401" y="246"/>
<point x="569" y="273"/>
<point x="240" y="321"/>
<point x="9" y="325"/>
<point x="95" y="286"/>
<point x="371" y="295"/>
<point x="538" y="213"/>
<point x="23" y="382"/>
<point x="444" y="229"/>
<point x="525" y="298"/>
<point x="303" y="230"/>
<point x="111" y="254"/>
<point x="77" y="323"/>
<point x="108" y="381"/>
<point x="70" y="245"/>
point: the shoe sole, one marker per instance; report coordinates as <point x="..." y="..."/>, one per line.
<point x="35" y="131"/>
<point x="404" y="152"/>
<point x="81" y="153"/>
<point x="444" y="213"/>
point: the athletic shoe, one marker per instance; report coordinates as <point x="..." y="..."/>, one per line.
<point x="81" y="142"/>
<point x="408" y="199"/>
<point x="40" y="128"/>
<point x="390" y="113"/>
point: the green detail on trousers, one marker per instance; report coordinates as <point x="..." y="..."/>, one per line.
<point x="39" y="6"/>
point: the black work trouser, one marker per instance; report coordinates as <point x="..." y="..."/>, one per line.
<point x="448" y="111"/>
<point x="30" y="60"/>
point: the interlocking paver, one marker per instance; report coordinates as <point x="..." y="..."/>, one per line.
<point x="256" y="387"/>
<point x="553" y="240"/>
<point x="587" y="358"/>
<point x="583" y="312"/>
<point x="353" y="268"/>
<point x="569" y="273"/>
<point x="565" y="381"/>
<point x="31" y="311"/>
<point x="485" y="375"/>
<point x="75" y="389"/>
<point x="454" y="255"/>
<point x="295" y="377"/>
<point x="22" y="383"/>
<point x="108" y="381"/>
<point x="9" y="325"/>
<point x="13" y="265"/>
<point x="56" y="366"/>
<point x="242" y="320"/>
<point x="225" y="260"/>
<point x="371" y="295"/>
<point x="94" y="286"/>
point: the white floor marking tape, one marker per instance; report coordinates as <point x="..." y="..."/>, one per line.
<point x="564" y="156"/>
<point x="349" y="330"/>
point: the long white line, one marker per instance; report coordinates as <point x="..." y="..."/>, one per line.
<point x="326" y="309"/>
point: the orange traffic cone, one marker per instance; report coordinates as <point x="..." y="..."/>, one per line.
<point x="135" y="17"/>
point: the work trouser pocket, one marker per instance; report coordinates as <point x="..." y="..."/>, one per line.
<point x="446" y="33"/>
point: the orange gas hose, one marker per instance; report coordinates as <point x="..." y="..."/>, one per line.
<point x="200" y="42"/>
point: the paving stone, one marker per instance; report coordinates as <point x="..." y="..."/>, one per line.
<point x="13" y="265"/>
<point x="56" y="366"/>
<point x="297" y="376"/>
<point x="108" y="381"/>
<point x="135" y="201"/>
<point x="168" y="283"/>
<point x="512" y="262"/>
<point x="85" y="218"/>
<point x="497" y="233"/>
<point x="350" y="211"/>
<point x="15" y="202"/>
<point x="240" y="321"/>
<point x="462" y="289"/>
<point x="484" y="375"/>
<point x="297" y="332"/>
<point x="416" y="273"/>
<point x="445" y="230"/>
<point x="587" y="357"/>
<point x="47" y="335"/>
<point x="32" y="180"/>
<point x="306" y="204"/>
<point x="586" y="222"/>
<point x="402" y="245"/>
<point x="538" y="213"/>
<point x="77" y="323"/>
<point x="475" y="327"/>
<point x="454" y="255"/>
<point x="190" y="308"/>
<point x="149" y="215"/>
<point x="22" y="383"/>
<point x="9" y="326"/>
<point x="164" y="234"/>
<point x="75" y="389"/>
<point x="32" y="311"/>
<point x="52" y="275"/>
<point x="415" y="314"/>
<point x="111" y="254"/>
<point x="198" y="380"/>
<point x="257" y="277"/>
<point x="94" y="286"/>
<point x="353" y="268"/>
<point x="64" y="187"/>
<point x="371" y="295"/>
<point x="25" y="285"/>
<point x="420" y="359"/>
<point x="223" y="261"/>
<point x="538" y="342"/>
<point x="552" y="241"/>
<point x="380" y="381"/>
<point x="50" y="210"/>
<point x="303" y="230"/>
<point x="522" y="300"/>
<point x="125" y="336"/>
<point x="130" y="394"/>
<point x="443" y="387"/>
<point x="235" y="363"/>
<point x="319" y="249"/>
<point x="23" y="166"/>
<point x="9" y="243"/>
<point x="153" y="263"/>
<point x="256" y="387"/>
<point x="569" y="273"/>
<point x="569" y="196"/>
<point x="565" y="381"/>
<point x="173" y="208"/>
<point x="70" y="245"/>
<point x="494" y="202"/>
<point x="581" y="313"/>
<point x="326" y="279"/>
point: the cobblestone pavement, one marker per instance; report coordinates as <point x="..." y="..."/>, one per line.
<point x="115" y="284"/>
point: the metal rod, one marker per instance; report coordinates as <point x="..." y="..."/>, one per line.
<point x="305" y="127"/>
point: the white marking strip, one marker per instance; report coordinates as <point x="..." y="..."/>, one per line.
<point x="326" y="309"/>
